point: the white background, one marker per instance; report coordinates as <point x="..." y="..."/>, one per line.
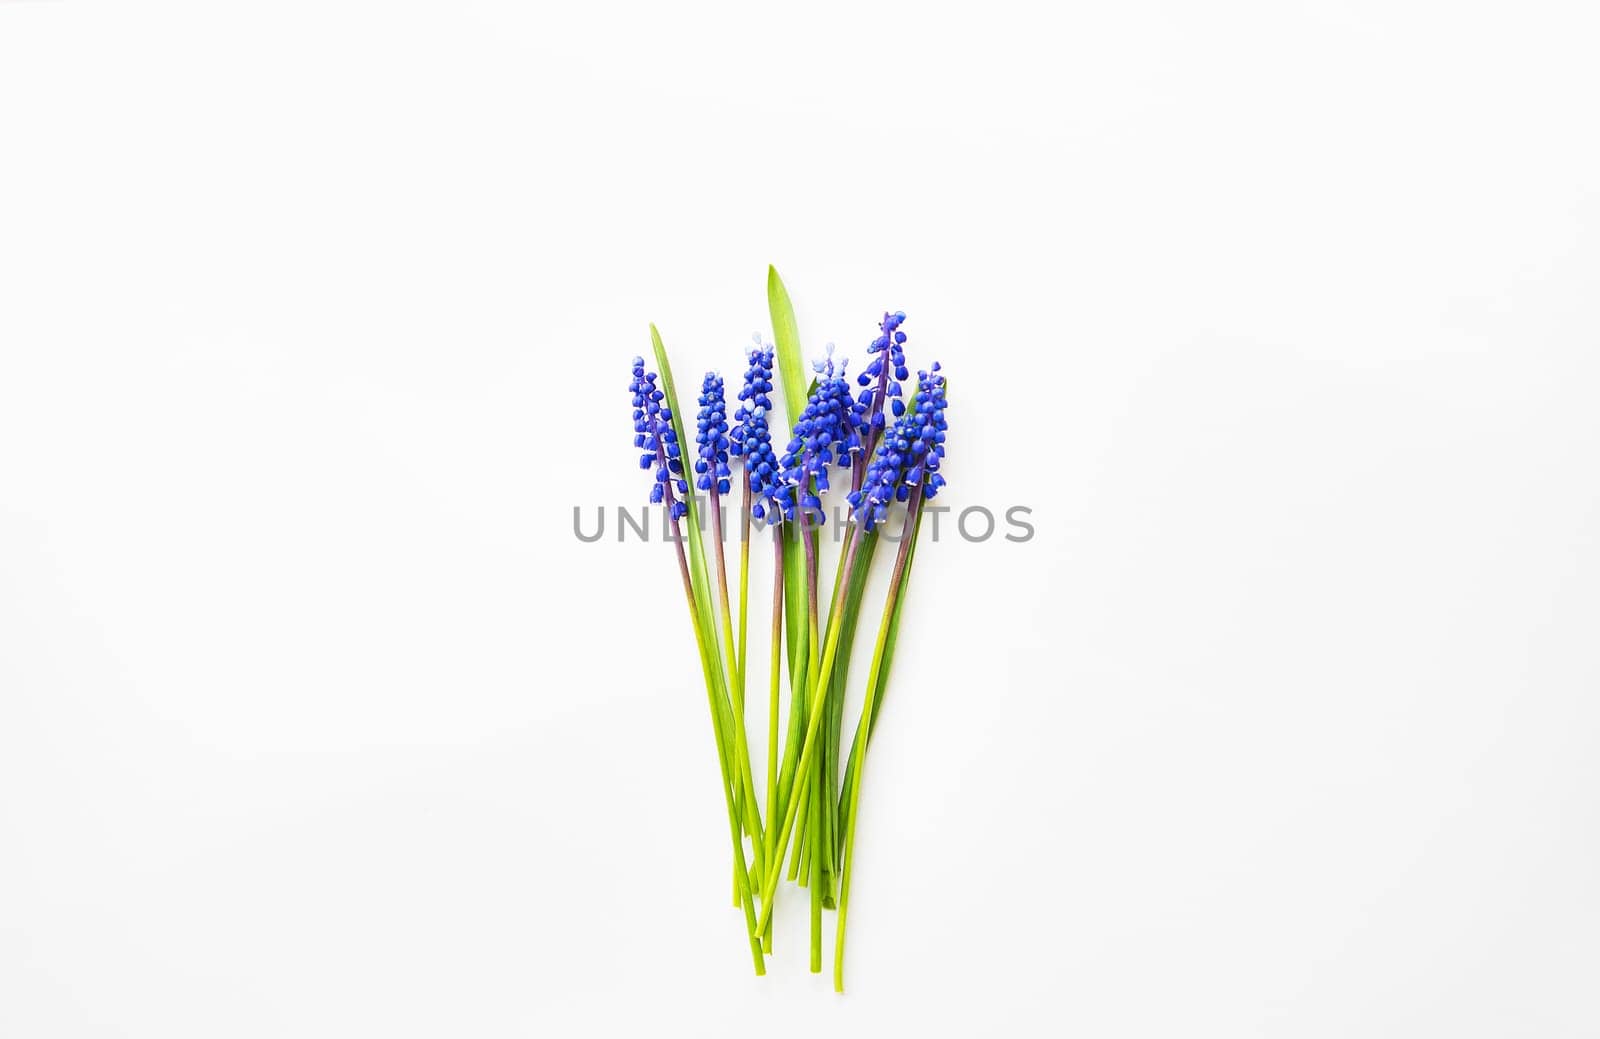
<point x="317" y="720"/>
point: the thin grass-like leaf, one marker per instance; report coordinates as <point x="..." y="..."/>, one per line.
<point x="697" y="560"/>
<point x="833" y="725"/>
<point x="726" y="718"/>
<point x="885" y="664"/>
<point x="877" y="683"/>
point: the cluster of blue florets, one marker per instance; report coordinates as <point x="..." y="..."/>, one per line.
<point x="882" y="484"/>
<point x="927" y="451"/>
<point x="825" y="433"/>
<point x="751" y="437"/>
<point x="711" y="434"/>
<point x="911" y="452"/>
<point x="888" y="369"/>
<point x="652" y="429"/>
<point x="833" y="429"/>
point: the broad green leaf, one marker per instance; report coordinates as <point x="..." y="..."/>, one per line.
<point x="793" y="391"/>
<point x="786" y="340"/>
<point x="794" y="388"/>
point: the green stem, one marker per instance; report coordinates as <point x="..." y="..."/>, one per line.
<point x="813" y="725"/>
<point x="772" y="701"/>
<point x="791" y="783"/>
<point x="744" y="586"/>
<point x="746" y="798"/>
<point x="800" y="861"/>
<point x="741" y="877"/>
<point x="858" y="749"/>
<point x="817" y="879"/>
<point x="757" y="840"/>
<point x="807" y="849"/>
<point x="847" y="609"/>
<point x="882" y="677"/>
<point x="697" y="588"/>
<point x="811" y="605"/>
<point x="796" y="635"/>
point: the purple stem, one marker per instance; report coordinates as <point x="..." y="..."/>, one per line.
<point x="858" y="467"/>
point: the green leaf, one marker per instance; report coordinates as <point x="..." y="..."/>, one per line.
<point x="697" y="562"/>
<point x="730" y="723"/>
<point x="722" y="717"/>
<point x="885" y="663"/>
<point x="838" y="682"/>
<point x="794" y="388"/>
<point x="786" y="339"/>
<point x="894" y="619"/>
<point x="894" y="626"/>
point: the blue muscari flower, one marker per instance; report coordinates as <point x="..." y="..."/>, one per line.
<point x="888" y="369"/>
<point x="909" y="455"/>
<point x="825" y="432"/>
<point x="652" y="428"/>
<point x="711" y="434"/>
<point x="751" y="437"/>
<point x="927" y="451"/>
<point x="871" y="502"/>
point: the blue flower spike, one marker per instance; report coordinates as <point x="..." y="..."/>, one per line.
<point x="653" y="432"/>
<point x="825" y="433"/>
<point x="711" y="436"/>
<point x="888" y="370"/>
<point x="908" y="457"/>
<point x="927" y="450"/>
<point x="751" y="437"/>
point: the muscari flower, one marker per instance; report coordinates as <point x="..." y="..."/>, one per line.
<point x="711" y="434"/>
<point x="652" y="427"/>
<point x="888" y="369"/>
<point x="909" y="456"/>
<point x="751" y="437"/>
<point x="927" y="451"/>
<point x="825" y="432"/>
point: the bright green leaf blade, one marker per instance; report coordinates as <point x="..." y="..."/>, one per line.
<point x="713" y="665"/>
<point x="793" y="391"/>
<point x="833" y="724"/>
<point x="885" y="663"/>
<point x="786" y="340"/>
<point x="729" y="723"/>
<point x="697" y="563"/>
<point x="794" y="388"/>
<point x="894" y="626"/>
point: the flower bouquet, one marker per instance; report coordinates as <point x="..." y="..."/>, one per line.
<point x="883" y="436"/>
